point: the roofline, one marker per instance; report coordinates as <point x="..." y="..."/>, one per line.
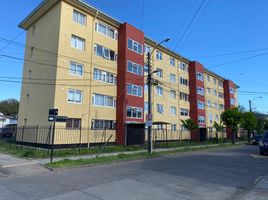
<point x="46" y="5"/>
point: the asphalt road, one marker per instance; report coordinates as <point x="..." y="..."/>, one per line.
<point x="213" y="174"/>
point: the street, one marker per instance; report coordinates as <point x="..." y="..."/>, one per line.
<point x="212" y="174"/>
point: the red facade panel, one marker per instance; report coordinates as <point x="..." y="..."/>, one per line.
<point x="126" y="32"/>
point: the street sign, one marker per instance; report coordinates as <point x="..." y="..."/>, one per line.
<point x="149" y="120"/>
<point x="61" y="119"/>
<point x="53" y="112"/>
<point x="51" y="118"/>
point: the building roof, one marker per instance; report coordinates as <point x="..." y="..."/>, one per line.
<point x="46" y="5"/>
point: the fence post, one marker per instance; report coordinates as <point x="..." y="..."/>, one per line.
<point x="36" y="137"/>
<point x="80" y="139"/>
<point x="52" y="142"/>
<point x="22" y="137"/>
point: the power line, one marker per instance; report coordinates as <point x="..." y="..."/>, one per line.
<point x="188" y="26"/>
<point x="15" y="38"/>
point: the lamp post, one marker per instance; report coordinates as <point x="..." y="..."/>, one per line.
<point x="149" y="83"/>
<point x="250" y="101"/>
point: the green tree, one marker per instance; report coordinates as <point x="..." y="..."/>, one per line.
<point x="231" y="119"/>
<point x="219" y="129"/>
<point x="249" y="122"/>
<point x="9" y="107"/>
<point x="189" y="124"/>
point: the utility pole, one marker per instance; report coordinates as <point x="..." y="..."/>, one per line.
<point x="149" y="83"/>
<point x="250" y="109"/>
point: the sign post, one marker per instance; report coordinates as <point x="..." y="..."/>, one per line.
<point x="149" y="120"/>
<point x="52" y="117"/>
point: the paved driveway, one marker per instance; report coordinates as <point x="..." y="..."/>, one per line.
<point x="206" y="175"/>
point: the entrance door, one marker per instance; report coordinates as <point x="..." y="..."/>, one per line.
<point x="135" y="134"/>
<point x="202" y="134"/>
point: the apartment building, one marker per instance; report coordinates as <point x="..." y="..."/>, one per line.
<point x="92" y="68"/>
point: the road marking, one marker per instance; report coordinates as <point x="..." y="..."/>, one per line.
<point x="258" y="156"/>
<point x="19" y="164"/>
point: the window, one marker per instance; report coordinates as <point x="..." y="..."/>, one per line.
<point x="221" y="106"/>
<point x="183" y="66"/>
<point x="220" y="84"/>
<point x="215" y="92"/>
<point x="159" y="90"/>
<point x="208" y="78"/>
<point x="103" y="76"/>
<point x="231" y="90"/>
<point x="73" y="123"/>
<point x="33" y="30"/>
<point x="216" y="117"/>
<point x="216" y="105"/>
<point x="172" y="94"/>
<point x="134" y="112"/>
<point x="173" y="110"/>
<point x="184" y="112"/>
<point x="173" y="127"/>
<point x="159" y="55"/>
<point x="134" y="90"/>
<point x="220" y="94"/>
<point x="79" y="18"/>
<point x="201" y="105"/>
<point x="200" y="91"/>
<point x="210" y="118"/>
<point x="215" y="81"/>
<point x="172" y="78"/>
<point x="145" y="87"/>
<point x="146" y="106"/>
<point x="147" y="49"/>
<point x="160" y="127"/>
<point x="74" y="96"/>
<point x="106" y="30"/>
<point x="160" y="108"/>
<point x="146" y="68"/>
<point x="232" y="101"/>
<point x="208" y="90"/>
<point x="199" y="76"/>
<point x="183" y="128"/>
<point x="76" y="69"/>
<point x="184" y="81"/>
<point x="135" y="46"/>
<point x="184" y="96"/>
<point x="103" y="100"/>
<point x="159" y="73"/>
<point x="201" y="120"/>
<point x="172" y="61"/>
<point x="102" y="124"/>
<point x="208" y="103"/>
<point x="78" y="43"/>
<point x="134" y="68"/>
<point x="104" y="52"/>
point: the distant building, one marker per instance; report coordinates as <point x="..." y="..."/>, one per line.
<point x="7" y="120"/>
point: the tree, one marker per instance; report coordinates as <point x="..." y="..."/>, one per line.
<point x="189" y="124"/>
<point x="249" y="122"/>
<point x="9" y="107"/>
<point x="231" y="119"/>
<point x="219" y="128"/>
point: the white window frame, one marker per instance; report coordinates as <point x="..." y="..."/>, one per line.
<point x="75" y="45"/>
<point x="134" y="88"/>
<point x="75" y="69"/>
<point x="79" y="16"/>
<point x="97" y="24"/>
<point x="75" y="93"/>
<point x="159" y="90"/>
<point x="160" y="108"/>
<point x="133" y="64"/>
<point x="201" y="119"/>
<point x="200" y="91"/>
<point x="199" y="76"/>
<point x="135" y="44"/>
<point x="159" y="55"/>
<point x="184" y="112"/>
<point x="173" y="94"/>
<point x="104" y="76"/>
<point x="104" y="100"/>
<point x="200" y="105"/>
<point x="138" y="109"/>
<point x="172" y="78"/>
<point x="173" y="110"/>
<point x="172" y="61"/>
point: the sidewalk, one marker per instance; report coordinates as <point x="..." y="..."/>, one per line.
<point x="259" y="191"/>
<point x="55" y="159"/>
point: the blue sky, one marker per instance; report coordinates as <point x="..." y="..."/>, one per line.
<point x="221" y="26"/>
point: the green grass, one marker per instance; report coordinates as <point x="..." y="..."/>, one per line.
<point x="67" y="163"/>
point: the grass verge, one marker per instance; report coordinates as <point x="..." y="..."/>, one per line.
<point x="67" y="163"/>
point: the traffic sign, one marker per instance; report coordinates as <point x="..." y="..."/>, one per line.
<point x="53" y="112"/>
<point x="149" y="119"/>
<point x="51" y="118"/>
<point x="61" y="119"/>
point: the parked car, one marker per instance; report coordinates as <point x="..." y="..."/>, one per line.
<point x="263" y="145"/>
<point x="7" y="131"/>
<point x="256" y="139"/>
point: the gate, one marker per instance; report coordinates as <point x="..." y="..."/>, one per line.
<point x="135" y="134"/>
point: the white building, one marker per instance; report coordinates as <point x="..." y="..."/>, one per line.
<point x="6" y="120"/>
